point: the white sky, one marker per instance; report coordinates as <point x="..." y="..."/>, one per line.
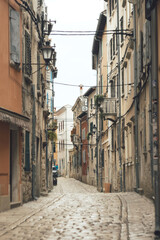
<point x="74" y="54"/>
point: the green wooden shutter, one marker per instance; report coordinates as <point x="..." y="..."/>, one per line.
<point x="27" y="152"/>
<point x="27" y="53"/>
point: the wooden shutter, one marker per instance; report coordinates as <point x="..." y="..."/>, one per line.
<point x="27" y="152"/>
<point x="27" y="53"/>
<point x="38" y="71"/>
<point x="102" y="157"/>
<point x="14" y="36"/>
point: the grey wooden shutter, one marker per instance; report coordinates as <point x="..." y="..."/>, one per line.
<point x="14" y="36"/>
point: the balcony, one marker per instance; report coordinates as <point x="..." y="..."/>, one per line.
<point x="109" y="107"/>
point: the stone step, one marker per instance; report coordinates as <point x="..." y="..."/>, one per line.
<point x="15" y="204"/>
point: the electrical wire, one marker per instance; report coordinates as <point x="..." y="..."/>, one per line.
<point x="28" y="9"/>
<point x="38" y="70"/>
<point x="126" y="32"/>
<point x="89" y="86"/>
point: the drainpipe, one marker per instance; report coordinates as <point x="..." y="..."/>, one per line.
<point x="100" y="158"/>
<point x="33" y="145"/>
<point x="97" y="127"/>
<point x="46" y="155"/>
<point x="80" y="144"/>
<point x="154" y="47"/>
<point x="150" y="124"/>
<point x="136" y="100"/>
<point x="119" y="96"/>
<point x="52" y="159"/>
<point x="66" y="141"/>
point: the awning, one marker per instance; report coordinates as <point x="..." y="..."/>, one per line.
<point x="14" y="118"/>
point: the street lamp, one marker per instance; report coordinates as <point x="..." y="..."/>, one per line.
<point x="94" y="129"/>
<point x="47" y="52"/>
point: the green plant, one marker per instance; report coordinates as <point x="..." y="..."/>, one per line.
<point x="98" y="100"/>
<point x="52" y="136"/>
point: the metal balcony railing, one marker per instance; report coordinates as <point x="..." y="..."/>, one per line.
<point x="109" y="106"/>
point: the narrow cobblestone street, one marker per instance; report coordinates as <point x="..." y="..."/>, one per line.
<point x="74" y="210"/>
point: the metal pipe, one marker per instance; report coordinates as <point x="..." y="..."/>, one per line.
<point x="119" y="98"/>
<point x="155" y="119"/>
<point x="97" y="127"/>
<point x="47" y="155"/>
<point x="33" y="145"/>
<point x="52" y="122"/>
<point x="136" y="100"/>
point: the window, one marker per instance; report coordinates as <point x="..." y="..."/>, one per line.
<point x="84" y="156"/>
<point x="14" y="36"/>
<point x="113" y="88"/>
<point x="110" y="7"/>
<point x="92" y="154"/>
<point x="38" y="71"/>
<point x="27" y="53"/>
<point x="27" y="151"/>
<point x="116" y="40"/>
<point x="141" y="51"/>
<point x="91" y="103"/>
<point x="122" y="72"/>
<point x="102" y="157"/>
<point x="113" y="4"/>
<point x="112" y="139"/>
<point x="121" y="25"/>
<point x="91" y="127"/>
<point x="101" y="85"/>
<point x="83" y="134"/>
<point x="123" y="135"/>
<point x="54" y="147"/>
<point x="113" y="44"/>
<point x="111" y="55"/>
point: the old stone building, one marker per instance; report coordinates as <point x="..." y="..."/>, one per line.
<point x="91" y="136"/>
<point x="24" y="166"/>
<point x="64" y="117"/>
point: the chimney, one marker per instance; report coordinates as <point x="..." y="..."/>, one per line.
<point x="81" y="89"/>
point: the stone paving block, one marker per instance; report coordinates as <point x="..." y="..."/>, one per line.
<point x="74" y="210"/>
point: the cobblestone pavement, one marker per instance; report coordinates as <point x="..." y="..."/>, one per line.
<point x="74" y="210"/>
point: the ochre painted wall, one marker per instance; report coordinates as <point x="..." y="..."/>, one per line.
<point x="10" y="79"/>
<point x="4" y="157"/>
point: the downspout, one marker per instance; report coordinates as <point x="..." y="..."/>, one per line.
<point x="97" y="127"/>
<point x="66" y="141"/>
<point x="136" y="100"/>
<point x="33" y="145"/>
<point x="80" y="151"/>
<point x="101" y="153"/>
<point x="119" y="98"/>
<point x="46" y="155"/>
<point x="155" y="114"/>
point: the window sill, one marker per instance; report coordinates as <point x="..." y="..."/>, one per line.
<point x="111" y="62"/>
<point x="27" y="78"/>
<point x="122" y="43"/>
<point x="16" y="66"/>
